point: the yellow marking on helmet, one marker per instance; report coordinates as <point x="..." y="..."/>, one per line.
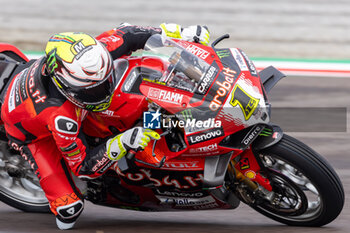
<point x="69" y="44"/>
<point x="58" y="84"/>
<point x="103" y="106"/>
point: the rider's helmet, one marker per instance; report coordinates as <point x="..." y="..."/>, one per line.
<point x="82" y="70"/>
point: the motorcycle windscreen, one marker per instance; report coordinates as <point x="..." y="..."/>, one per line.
<point x="167" y="63"/>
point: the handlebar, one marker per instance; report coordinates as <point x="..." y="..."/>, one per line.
<point x="226" y="36"/>
<point x="128" y="161"/>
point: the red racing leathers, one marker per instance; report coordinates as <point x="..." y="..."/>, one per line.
<point x="45" y="127"/>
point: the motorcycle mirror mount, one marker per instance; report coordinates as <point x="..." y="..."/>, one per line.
<point x="218" y="40"/>
<point x="155" y="141"/>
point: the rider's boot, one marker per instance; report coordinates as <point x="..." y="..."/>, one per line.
<point x="67" y="211"/>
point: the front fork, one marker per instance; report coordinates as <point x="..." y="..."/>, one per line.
<point x="248" y="170"/>
<point x="246" y="167"/>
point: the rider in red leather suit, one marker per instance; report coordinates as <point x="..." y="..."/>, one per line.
<point x="44" y="125"/>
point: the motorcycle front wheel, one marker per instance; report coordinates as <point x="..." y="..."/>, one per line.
<point x="307" y="191"/>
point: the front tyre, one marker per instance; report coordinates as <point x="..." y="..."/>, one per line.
<point x="307" y="191"/>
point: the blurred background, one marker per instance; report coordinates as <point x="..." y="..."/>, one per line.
<point x="269" y="28"/>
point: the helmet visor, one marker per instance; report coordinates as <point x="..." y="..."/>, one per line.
<point x="95" y="94"/>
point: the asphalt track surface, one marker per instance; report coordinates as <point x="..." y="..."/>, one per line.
<point x="290" y="92"/>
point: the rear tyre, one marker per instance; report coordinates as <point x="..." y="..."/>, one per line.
<point x="19" y="186"/>
<point x="308" y="190"/>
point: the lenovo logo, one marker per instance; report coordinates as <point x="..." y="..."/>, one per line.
<point x="205" y="136"/>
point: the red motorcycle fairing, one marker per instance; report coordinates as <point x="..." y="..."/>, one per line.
<point x="154" y="190"/>
<point x="226" y="99"/>
<point x="7" y="48"/>
<point x="227" y="90"/>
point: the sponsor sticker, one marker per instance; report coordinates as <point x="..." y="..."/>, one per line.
<point x="224" y="86"/>
<point x="205" y="136"/>
<point x="239" y="59"/>
<point x="252" y="135"/>
<point x="130" y="81"/>
<point x="204" y="149"/>
<point x="206" y="206"/>
<point x="180" y="194"/>
<point x="73" y="153"/>
<point x="223" y="53"/>
<point x="69" y="148"/>
<point x="165" y="96"/>
<point x="244" y="164"/>
<point x="193" y="165"/>
<point x="79" y="49"/>
<point x="250" y="174"/>
<point x="66" y="138"/>
<point x="246" y="102"/>
<point x="250" y="64"/>
<point x="102" y="164"/>
<point x="108" y="113"/>
<point x="13" y="95"/>
<point x="207" y="80"/>
<point x="198" y="51"/>
<point x="185" y="202"/>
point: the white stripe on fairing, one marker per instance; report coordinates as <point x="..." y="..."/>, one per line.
<point x="305" y="65"/>
<point x="292" y="68"/>
<point x="299" y="68"/>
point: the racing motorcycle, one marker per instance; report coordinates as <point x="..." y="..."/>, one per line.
<point x="217" y="146"/>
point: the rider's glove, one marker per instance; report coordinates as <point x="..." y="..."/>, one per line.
<point x="171" y="30"/>
<point x="135" y="138"/>
<point x="195" y="33"/>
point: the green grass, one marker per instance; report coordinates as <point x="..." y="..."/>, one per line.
<point x="342" y="61"/>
